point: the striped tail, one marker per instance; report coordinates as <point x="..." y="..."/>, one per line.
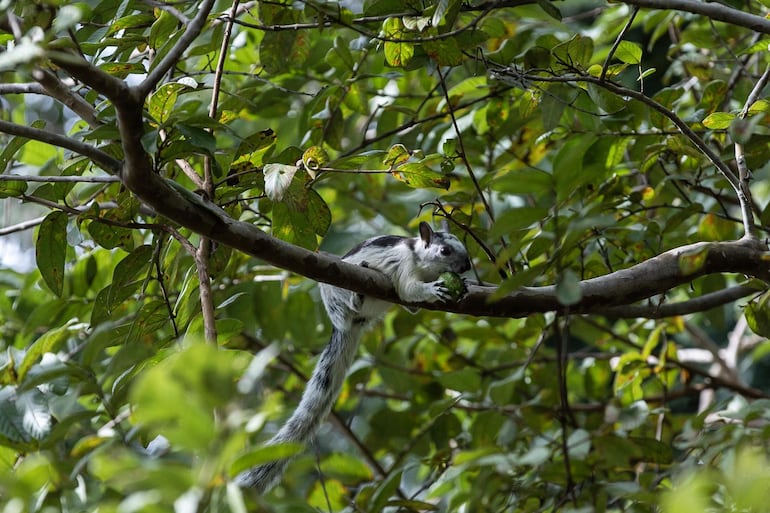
<point x="320" y="395"/>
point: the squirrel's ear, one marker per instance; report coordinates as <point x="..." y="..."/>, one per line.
<point x="426" y="233"/>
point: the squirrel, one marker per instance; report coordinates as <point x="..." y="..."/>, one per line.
<point x="414" y="265"/>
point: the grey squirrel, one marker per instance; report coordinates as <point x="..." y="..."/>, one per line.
<point x="414" y="264"/>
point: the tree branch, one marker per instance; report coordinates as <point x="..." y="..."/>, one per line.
<point x="103" y="160"/>
<point x="59" y="179"/>
<point x="713" y="10"/>
<point x="698" y="304"/>
<point x="172" y="57"/>
<point x="27" y="88"/>
<point x="56" y="89"/>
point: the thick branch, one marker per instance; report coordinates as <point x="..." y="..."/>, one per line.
<point x="644" y="280"/>
<point x="713" y="10"/>
<point x="650" y="278"/>
<point x="111" y="87"/>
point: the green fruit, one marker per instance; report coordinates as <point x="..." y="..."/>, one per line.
<point x="454" y="283"/>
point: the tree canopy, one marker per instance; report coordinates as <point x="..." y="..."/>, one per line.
<point x="186" y="172"/>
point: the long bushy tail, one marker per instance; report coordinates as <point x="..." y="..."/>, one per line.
<point x="316" y="403"/>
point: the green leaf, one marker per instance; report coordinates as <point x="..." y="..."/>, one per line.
<point x="515" y="219"/>
<point x="382" y="7"/>
<point x="51" y="249"/>
<point x="412" y="505"/>
<point x="161" y="103"/>
<point x="255" y="147"/>
<point x="605" y="100"/>
<point x="716" y="228"/>
<point x="418" y="176"/>
<point x="385" y="490"/>
<point x="122" y="69"/>
<point x="264" y="454"/>
<point x="194" y="382"/>
<point x="464" y="380"/>
<point x="201" y="139"/>
<point x="162" y="29"/>
<point x="629" y="52"/>
<point x="718" y="120"/>
<point x="131" y="21"/>
<point x="666" y="97"/>
<point x="397" y="53"/>
<point x="568" y="169"/>
<point x="49" y="342"/>
<point x="128" y="276"/>
<point x="346" y="467"/>
<point x="576" y="52"/>
<point x="445" y="52"/>
<point x="758" y="317"/>
<point x="550" y="9"/>
<point x="283" y="50"/>
<point x="110" y="236"/>
<point x="397" y="155"/>
<point x="301" y="217"/>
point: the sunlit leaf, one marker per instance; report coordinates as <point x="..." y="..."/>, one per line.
<point x="419" y="175"/>
<point x="718" y="120"/>
<point x="629" y="52"/>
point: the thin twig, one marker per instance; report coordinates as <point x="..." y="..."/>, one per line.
<point x="620" y="37"/>
<point x="100" y="158"/>
<point x="461" y="147"/>
<point x="58" y="179"/>
<point x="744" y="174"/>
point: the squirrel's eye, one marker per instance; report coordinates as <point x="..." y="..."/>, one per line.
<point x="446" y="250"/>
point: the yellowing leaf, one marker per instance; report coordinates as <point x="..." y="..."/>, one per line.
<point x="715" y="228"/>
<point x="397" y="53"/>
<point x="692" y="261"/>
<point x="314" y="158"/>
<point x="397" y="155"/>
<point x="718" y="120"/>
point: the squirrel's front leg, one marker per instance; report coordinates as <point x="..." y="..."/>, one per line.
<point x="424" y="292"/>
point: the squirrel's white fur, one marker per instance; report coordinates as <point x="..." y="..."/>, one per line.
<point x="414" y="265"/>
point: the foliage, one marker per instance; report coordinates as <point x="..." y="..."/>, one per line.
<point x="143" y="364"/>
